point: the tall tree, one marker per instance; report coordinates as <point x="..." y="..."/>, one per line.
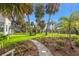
<point x="73" y="17"/>
<point x="33" y="28"/>
<point x="29" y="12"/>
<point x="39" y="13"/>
<point x="63" y="24"/>
<point x="42" y="25"/>
<point x="51" y="8"/>
<point x="16" y="10"/>
<point x="66" y="24"/>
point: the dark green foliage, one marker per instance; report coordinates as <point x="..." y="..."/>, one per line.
<point x="2" y="37"/>
<point x="60" y="44"/>
<point x="76" y="42"/>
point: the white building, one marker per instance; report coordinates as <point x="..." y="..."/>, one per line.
<point x="5" y="25"/>
<point x="50" y="26"/>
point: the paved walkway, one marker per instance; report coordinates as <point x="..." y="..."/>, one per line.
<point x="43" y="51"/>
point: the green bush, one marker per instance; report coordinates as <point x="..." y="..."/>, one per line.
<point x="2" y="36"/>
<point x="76" y="42"/>
<point x="60" y="44"/>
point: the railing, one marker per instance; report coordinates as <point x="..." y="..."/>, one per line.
<point x="9" y="52"/>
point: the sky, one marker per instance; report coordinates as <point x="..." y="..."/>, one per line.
<point x="64" y="10"/>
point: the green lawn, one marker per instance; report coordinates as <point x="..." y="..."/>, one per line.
<point x="21" y="37"/>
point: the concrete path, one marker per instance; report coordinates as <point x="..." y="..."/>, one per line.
<point x="43" y="51"/>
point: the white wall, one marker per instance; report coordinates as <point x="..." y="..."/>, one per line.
<point x="7" y="25"/>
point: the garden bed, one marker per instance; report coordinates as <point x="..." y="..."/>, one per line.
<point x="56" y="46"/>
<point x="25" y="48"/>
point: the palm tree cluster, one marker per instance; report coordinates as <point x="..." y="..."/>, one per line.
<point x="17" y="11"/>
<point x="68" y="25"/>
<point x="51" y="9"/>
<point x="63" y="25"/>
<point x="40" y="23"/>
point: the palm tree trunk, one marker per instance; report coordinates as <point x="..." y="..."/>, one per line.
<point x="13" y="22"/>
<point x="70" y="41"/>
<point x="47" y="25"/>
<point x="29" y="25"/>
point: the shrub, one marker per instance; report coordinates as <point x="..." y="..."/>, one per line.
<point x="60" y="44"/>
<point x="76" y="42"/>
<point x="2" y="36"/>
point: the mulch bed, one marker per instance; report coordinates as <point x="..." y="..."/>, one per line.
<point x="6" y="49"/>
<point x="25" y="48"/>
<point x="50" y="43"/>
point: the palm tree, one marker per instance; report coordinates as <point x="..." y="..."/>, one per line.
<point x="67" y="24"/>
<point x="39" y="13"/>
<point x="63" y="24"/>
<point x="27" y="28"/>
<point x="42" y="25"/>
<point x="75" y="19"/>
<point x="22" y="25"/>
<point x="51" y="8"/>
<point x="15" y="10"/>
<point x="29" y="12"/>
<point x="33" y="28"/>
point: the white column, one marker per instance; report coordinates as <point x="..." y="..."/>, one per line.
<point x="7" y="24"/>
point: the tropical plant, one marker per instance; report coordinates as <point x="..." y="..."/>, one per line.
<point x="14" y="11"/>
<point x="63" y="25"/>
<point x="29" y="12"/>
<point x="33" y="28"/>
<point x="68" y="25"/>
<point x="3" y="37"/>
<point x="23" y="25"/>
<point x="76" y="42"/>
<point x="51" y="8"/>
<point x="39" y="13"/>
<point x="42" y="25"/>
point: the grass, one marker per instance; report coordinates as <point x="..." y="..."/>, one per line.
<point x="62" y="35"/>
<point x="12" y="39"/>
